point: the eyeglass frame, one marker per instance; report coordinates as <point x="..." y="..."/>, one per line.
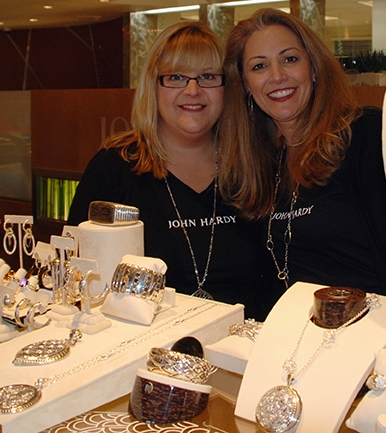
<point x="161" y="81"/>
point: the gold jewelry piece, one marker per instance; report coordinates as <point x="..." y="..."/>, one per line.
<point x="376" y="382"/>
<point x="47" y="351"/>
<point x="249" y="329"/>
<point x="16" y="398"/>
<point x="138" y="281"/>
<point x="179" y="365"/>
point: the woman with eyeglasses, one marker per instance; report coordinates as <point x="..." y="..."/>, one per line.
<point x="167" y="166"/>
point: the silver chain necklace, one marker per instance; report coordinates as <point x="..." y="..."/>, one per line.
<point x="200" y="292"/>
<point x="18" y="397"/>
<point x="280" y="408"/>
<point x="282" y="274"/>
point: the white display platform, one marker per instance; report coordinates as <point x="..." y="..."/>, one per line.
<point x="112" y="378"/>
<point x="331" y="382"/>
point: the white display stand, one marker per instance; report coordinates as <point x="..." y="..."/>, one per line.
<point x="206" y="320"/>
<point x="331" y="382"/>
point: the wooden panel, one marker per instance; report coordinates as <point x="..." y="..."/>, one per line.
<point x="68" y="126"/>
<point x="370" y="95"/>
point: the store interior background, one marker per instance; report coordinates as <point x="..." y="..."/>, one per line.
<point x="68" y="74"/>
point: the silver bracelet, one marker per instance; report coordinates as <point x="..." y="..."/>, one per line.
<point x="179" y="365"/>
<point x="138" y="281"/>
<point x="250" y="329"/>
<point x="112" y="214"/>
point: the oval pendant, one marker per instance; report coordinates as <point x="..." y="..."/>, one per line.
<point x="46" y="351"/>
<point x="16" y="398"/>
<point x="279" y="410"/>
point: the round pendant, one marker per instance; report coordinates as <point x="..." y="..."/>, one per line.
<point x="42" y="352"/>
<point x="46" y="351"/>
<point x="16" y="398"/>
<point x="279" y="410"/>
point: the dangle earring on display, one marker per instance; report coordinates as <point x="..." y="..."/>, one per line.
<point x="9" y="241"/>
<point x="28" y="239"/>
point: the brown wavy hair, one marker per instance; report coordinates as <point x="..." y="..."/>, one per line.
<point x="249" y="143"/>
<point x="182" y="46"/>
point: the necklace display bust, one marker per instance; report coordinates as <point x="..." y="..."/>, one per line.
<point x="332" y="374"/>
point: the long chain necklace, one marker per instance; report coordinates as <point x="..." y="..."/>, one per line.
<point x="280" y="408"/>
<point x="18" y="397"/>
<point x="282" y="274"/>
<point x="200" y="292"/>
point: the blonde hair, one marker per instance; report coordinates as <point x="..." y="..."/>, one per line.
<point x="183" y="46"/>
<point x="248" y="143"/>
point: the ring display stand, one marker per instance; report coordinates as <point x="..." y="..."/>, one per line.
<point x="331" y="382"/>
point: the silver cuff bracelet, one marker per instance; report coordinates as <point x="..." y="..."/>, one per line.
<point x="138" y="281"/>
<point x="179" y="365"/>
<point x="113" y="214"/>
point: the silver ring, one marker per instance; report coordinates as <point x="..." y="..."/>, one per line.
<point x="250" y="329"/>
<point x="138" y="281"/>
<point x="179" y="365"/>
<point x="31" y="316"/>
<point x="376" y="382"/>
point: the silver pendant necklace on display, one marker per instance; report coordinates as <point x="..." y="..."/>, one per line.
<point x="200" y="292"/>
<point x="280" y="408"/>
<point x="18" y="397"/>
<point x="282" y="274"/>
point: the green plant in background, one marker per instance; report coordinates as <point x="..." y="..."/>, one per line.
<point x="371" y="61"/>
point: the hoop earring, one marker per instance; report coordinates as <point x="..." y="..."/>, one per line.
<point x="28" y="240"/>
<point x="250" y="104"/>
<point x="9" y="239"/>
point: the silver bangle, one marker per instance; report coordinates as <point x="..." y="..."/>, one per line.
<point x="250" y="329"/>
<point x="376" y="382"/>
<point x="138" y="281"/>
<point x="112" y="214"/>
<point x="179" y="365"/>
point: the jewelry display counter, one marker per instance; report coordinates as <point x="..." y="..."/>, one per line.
<point x="102" y="367"/>
<point x="218" y="417"/>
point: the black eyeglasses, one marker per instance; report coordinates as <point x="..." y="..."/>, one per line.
<point x="178" y="81"/>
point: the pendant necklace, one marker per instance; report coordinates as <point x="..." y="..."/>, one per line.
<point x="18" y="397"/>
<point x="200" y="292"/>
<point x="280" y="408"/>
<point x="282" y="274"/>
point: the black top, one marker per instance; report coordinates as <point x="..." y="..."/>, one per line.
<point x="239" y="258"/>
<point x="339" y="230"/>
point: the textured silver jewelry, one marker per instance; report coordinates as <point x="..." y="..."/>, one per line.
<point x="82" y="287"/>
<point x="250" y="329"/>
<point x="138" y="281"/>
<point x="37" y="306"/>
<point x="9" y="240"/>
<point x="24" y="303"/>
<point x="113" y="214"/>
<point x="376" y="382"/>
<point x="280" y="408"/>
<point x="47" y="351"/>
<point x="24" y="396"/>
<point x="28" y="239"/>
<point x="179" y="365"/>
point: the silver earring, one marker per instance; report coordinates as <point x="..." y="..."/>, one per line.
<point x="9" y="241"/>
<point x="28" y="240"/>
<point x="250" y="104"/>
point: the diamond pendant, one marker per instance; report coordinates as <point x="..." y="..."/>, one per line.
<point x="279" y="409"/>
<point x="47" y="351"/>
<point x="16" y="398"/>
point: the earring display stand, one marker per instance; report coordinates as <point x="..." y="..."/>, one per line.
<point x="330" y="383"/>
<point x="19" y="220"/>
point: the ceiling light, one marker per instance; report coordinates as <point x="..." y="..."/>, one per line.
<point x="169" y="10"/>
<point x="246" y="2"/>
<point x="366" y="3"/>
<point x="47" y="7"/>
<point x="33" y="20"/>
